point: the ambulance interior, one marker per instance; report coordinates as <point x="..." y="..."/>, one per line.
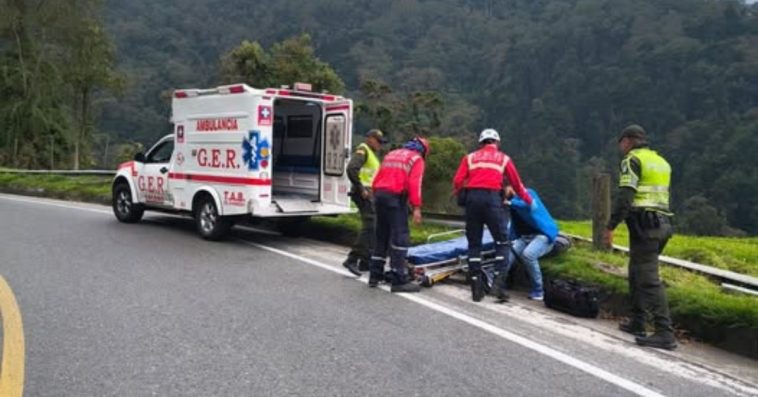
<point x="296" y="154"/>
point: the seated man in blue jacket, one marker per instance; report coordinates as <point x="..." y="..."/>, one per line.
<point x="533" y="233"/>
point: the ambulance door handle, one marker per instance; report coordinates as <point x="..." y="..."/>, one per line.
<point x="164" y="170"/>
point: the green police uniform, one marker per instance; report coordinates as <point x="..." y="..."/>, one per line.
<point x="643" y="202"/>
<point x="361" y="170"/>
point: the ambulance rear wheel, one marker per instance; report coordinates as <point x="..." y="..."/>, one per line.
<point x="123" y="205"/>
<point x="210" y="224"/>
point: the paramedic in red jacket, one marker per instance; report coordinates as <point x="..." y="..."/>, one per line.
<point x="483" y="177"/>
<point x="397" y="184"/>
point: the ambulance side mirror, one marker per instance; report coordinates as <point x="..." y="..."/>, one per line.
<point x="139" y="157"/>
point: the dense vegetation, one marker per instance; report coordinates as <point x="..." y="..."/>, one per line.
<point x="559" y="79"/>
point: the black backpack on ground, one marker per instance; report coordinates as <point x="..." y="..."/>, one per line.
<point x="571" y="297"/>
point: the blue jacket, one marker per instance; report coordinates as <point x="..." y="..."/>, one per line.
<point x="538" y="219"/>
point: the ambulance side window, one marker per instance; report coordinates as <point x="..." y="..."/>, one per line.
<point x="161" y="153"/>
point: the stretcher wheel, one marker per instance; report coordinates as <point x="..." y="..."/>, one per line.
<point x="427" y="282"/>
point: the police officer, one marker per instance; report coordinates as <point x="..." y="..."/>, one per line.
<point x="397" y="183"/>
<point x="643" y="202"/>
<point x="482" y="178"/>
<point x="361" y="170"/>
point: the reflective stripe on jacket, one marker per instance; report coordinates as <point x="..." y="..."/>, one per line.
<point x="401" y="171"/>
<point x="485" y="169"/>
<point x="652" y="185"/>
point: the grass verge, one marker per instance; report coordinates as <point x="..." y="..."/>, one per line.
<point x="89" y="188"/>
<point x="738" y="254"/>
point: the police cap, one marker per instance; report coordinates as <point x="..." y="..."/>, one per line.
<point x="633" y="131"/>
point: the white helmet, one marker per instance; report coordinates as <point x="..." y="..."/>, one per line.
<point x="489" y="133"/>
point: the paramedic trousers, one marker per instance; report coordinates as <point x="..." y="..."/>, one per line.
<point x="392" y="236"/>
<point x="485" y="207"/>
<point x="648" y="234"/>
<point x="364" y="243"/>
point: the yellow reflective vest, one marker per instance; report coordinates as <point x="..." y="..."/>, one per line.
<point x="370" y="166"/>
<point x="652" y="185"/>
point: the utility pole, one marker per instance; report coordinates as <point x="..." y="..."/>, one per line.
<point x="601" y="208"/>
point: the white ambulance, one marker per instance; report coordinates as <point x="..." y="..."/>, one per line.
<point x="238" y="151"/>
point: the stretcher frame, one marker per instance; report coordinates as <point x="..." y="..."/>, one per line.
<point x="432" y="273"/>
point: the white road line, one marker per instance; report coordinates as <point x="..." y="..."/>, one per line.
<point x="53" y="204"/>
<point x="633" y="387"/>
<point x="669" y="362"/>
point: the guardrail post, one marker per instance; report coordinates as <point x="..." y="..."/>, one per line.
<point x="601" y="208"/>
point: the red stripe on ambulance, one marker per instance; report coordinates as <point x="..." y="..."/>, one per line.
<point x="130" y="165"/>
<point x="229" y="180"/>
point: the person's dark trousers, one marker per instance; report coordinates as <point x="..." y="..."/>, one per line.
<point x="392" y="236"/>
<point x="647" y="239"/>
<point x="364" y="243"/>
<point x="485" y="207"/>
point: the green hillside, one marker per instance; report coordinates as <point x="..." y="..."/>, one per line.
<point x="558" y="78"/>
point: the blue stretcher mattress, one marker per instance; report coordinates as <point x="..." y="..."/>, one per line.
<point x="445" y="250"/>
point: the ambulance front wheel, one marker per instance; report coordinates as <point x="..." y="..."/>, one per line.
<point x="124" y="207"/>
<point x="210" y="224"/>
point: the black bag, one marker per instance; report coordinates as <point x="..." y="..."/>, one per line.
<point x="571" y="297"/>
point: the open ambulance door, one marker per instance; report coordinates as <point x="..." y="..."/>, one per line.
<point x="337" y="136"/>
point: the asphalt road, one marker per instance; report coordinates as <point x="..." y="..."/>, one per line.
<point x="150" y="309"/>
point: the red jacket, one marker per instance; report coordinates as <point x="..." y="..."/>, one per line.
<point x="485" y="169"/>
<point x="402" y="170"/>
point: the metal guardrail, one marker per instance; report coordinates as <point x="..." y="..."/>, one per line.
<point x="60" y="172"/>
<point x="737" y="278"/>
<point x="736" y="281"/>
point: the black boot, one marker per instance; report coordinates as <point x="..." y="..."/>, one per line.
<point x="352" y="266"/>
<point x="374" y="280"/>
<point x="363" y="265"/>
<point x="477" y="286"/>
<point x="658" y="340"/>
<point x="499" y="288"/>
<point x="407" y="287"/>
<point x="633" y="327"/>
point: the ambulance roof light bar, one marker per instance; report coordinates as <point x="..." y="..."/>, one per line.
<point x="185" y="93"/>
<point x="307" y="87"/>
<point x="231" y="89"/>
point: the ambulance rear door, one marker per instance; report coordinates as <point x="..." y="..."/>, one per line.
<point x="337" y="140"/>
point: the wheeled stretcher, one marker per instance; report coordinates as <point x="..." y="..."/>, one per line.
<point x="436" y="261"/>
